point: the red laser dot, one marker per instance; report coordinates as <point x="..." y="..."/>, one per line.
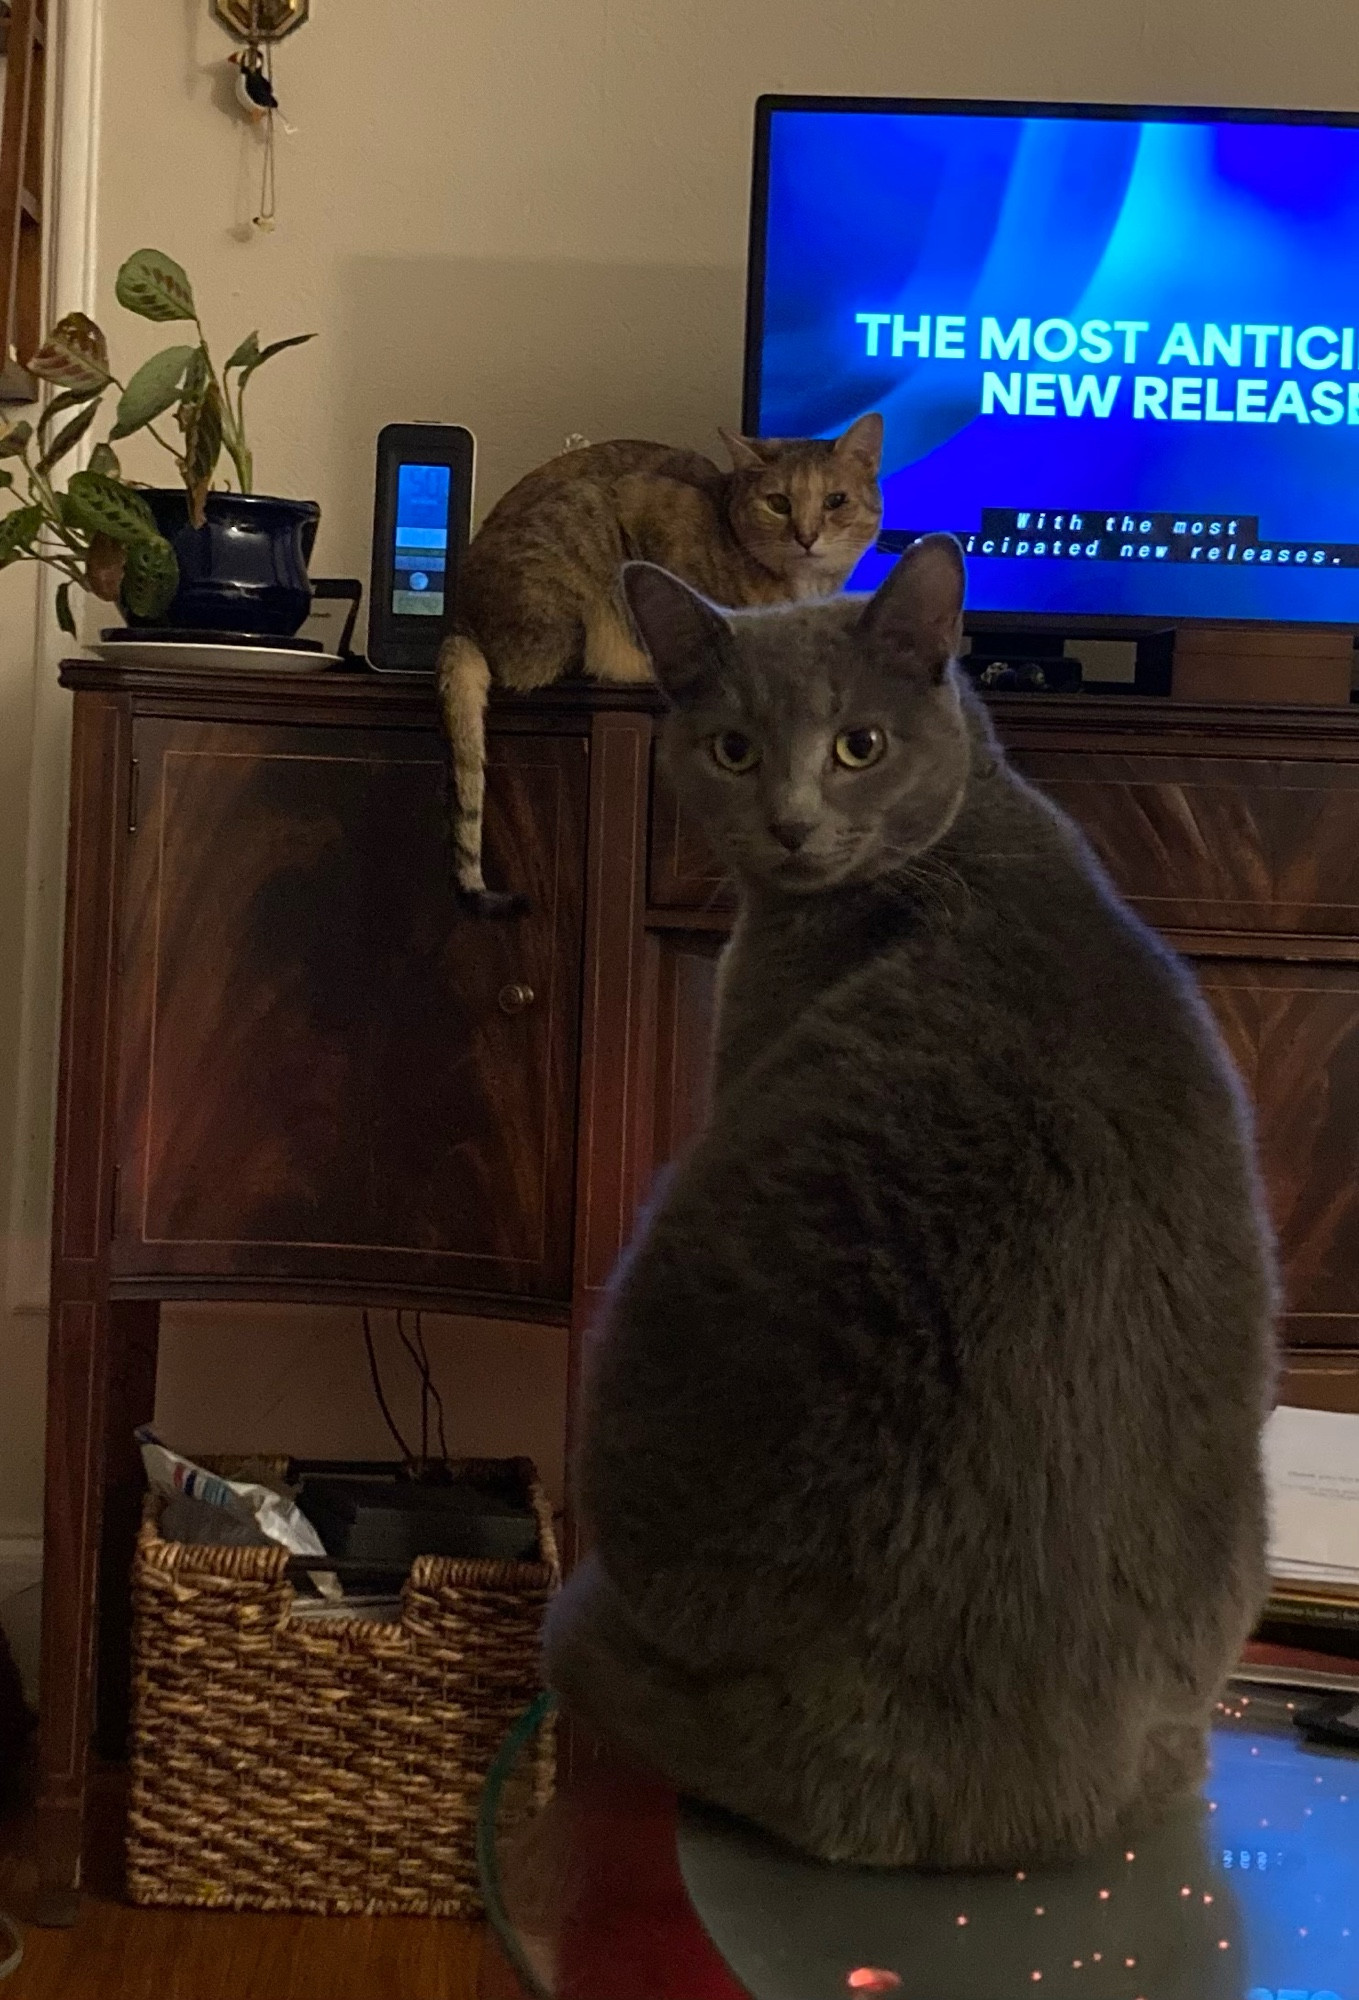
<point x="1130" y="1963"/>
<point x="962" y="1920"/>
<point x="1223" y="1945"/>
<point x="1020" y="1875"/>
<point x="872" y="1979"/>
<point x="1104" y="1895"/>
<point x="1040" y="1911"/>
<point x="1207" y="1899"/>
<point x="1130" y="1856"/>
<point x="1098" y="1956"/>
<point x="1035" y="1975"/>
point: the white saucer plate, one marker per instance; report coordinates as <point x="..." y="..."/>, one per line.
<point x="214" y="658"/>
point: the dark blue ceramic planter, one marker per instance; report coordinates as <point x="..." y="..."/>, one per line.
<point x="244" y="570"/>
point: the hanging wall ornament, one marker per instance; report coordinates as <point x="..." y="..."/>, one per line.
<point x="259" y="24"/>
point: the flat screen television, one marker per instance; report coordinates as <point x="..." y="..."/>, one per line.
<point x="1116" y="348"/>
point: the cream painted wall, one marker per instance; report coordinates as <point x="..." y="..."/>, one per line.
<point x="527" y="215"/>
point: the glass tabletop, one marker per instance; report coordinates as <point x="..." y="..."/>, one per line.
<point x="613" y="1889"/>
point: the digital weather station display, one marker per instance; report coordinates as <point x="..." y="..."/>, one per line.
<point x="420" y="540"/>
<point x="1116" y="353"/>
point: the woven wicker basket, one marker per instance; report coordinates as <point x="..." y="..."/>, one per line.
<point x="331" y="1767"/>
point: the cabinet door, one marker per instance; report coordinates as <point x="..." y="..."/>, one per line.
<point x="683" y="873"/>
<point x="1293" y="1031"/>
<point x="686" y="1011"/>
<point x="1216" y="843"/>
<point x="330" y="1078"/>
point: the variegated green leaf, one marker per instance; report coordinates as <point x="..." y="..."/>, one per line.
<point x="69" y="399"/>
<point x="68" y="437"/>
<point x="151" y="577"/>
<point x="75" y="354"/>
<point x="104" y="506"/>
<point x="245" y="355"/>
<point x="267" y="353"/>
<point x="152" y="284"/>
<point x="18" y="531"/>
<point x="155" y="386"/>
<point x="202" y="449"/>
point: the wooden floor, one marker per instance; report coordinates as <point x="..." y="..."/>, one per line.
<point x="119" y="1953"/>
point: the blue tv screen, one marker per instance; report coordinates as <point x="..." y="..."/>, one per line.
<point x="1116" y="350"/>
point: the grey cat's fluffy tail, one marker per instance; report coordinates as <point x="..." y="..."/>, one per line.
<point x="464" y="683"/>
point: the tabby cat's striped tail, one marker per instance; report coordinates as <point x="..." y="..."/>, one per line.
<point x="464" y="683"/>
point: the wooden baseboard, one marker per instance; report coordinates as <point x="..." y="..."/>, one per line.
<point x="1268" y="664"/>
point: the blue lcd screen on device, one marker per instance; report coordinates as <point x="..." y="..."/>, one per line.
<point x="420" y="551"/>
<point x="1117" y="352"/>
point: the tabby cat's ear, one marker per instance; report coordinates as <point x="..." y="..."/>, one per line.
<point x="746" y="455"/>
<point x="685" y="637"/>
<point x="914" y="619"/>
<point x="863" y="442"/>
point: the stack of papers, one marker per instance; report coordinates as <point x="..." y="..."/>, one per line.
<point x="1312" y="1466"/>
<point x="1312" y="1469"/>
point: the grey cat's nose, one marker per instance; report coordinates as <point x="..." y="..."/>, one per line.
<point x="790" y="833"/>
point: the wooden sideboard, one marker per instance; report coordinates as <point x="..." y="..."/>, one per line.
<point x="291" y="1070"/>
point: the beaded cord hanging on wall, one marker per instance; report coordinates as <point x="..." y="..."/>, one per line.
<point x="259" y="24"/>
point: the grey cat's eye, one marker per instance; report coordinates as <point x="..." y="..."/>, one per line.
<point x="734" y="752"/>
<point x="836" y="500"/>
<point x="856" y="749"/>
<point x="778" y="503"/>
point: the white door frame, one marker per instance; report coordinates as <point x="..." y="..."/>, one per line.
<point x="73" y="111"/>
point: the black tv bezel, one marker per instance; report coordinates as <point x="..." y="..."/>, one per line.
<point x="1076" y="624"/>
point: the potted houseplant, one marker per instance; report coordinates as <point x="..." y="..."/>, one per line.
<point x="193" y="556"/>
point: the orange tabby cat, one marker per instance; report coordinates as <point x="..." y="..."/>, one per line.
<point x="538" y="596"/>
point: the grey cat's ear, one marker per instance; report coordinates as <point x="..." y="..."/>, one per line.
<point x="915" y="617"/>
<point x="863" y="441"/>
<point x="746" y="455"/>
<point x="685" y="637"/>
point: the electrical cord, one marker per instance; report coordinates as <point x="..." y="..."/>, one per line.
<point x="430" y="1399"/>
<point x="9" y="1934"/>
<point x="388" y="1418"/>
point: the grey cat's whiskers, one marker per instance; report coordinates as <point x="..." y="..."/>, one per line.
<point x="937" y="879"/>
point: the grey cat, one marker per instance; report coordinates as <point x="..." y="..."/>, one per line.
<point x="921" y="1450"/>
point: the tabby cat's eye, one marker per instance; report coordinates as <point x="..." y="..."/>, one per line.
<point x="778" y="503"/>
<point x="734" y="752"/>
<point x="836" y="499"/>
<point x="856" y="749"/>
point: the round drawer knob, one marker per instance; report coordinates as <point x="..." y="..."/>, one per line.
<point x="515" y="998"/>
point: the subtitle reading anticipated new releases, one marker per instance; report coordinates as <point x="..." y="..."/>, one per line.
<point x="1096" y="534"/>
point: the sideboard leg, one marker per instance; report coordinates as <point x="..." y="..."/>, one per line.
<point x="80" y="1330"/>
<point x="134" y="1342"/>
<point x="75" y="1465"/>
